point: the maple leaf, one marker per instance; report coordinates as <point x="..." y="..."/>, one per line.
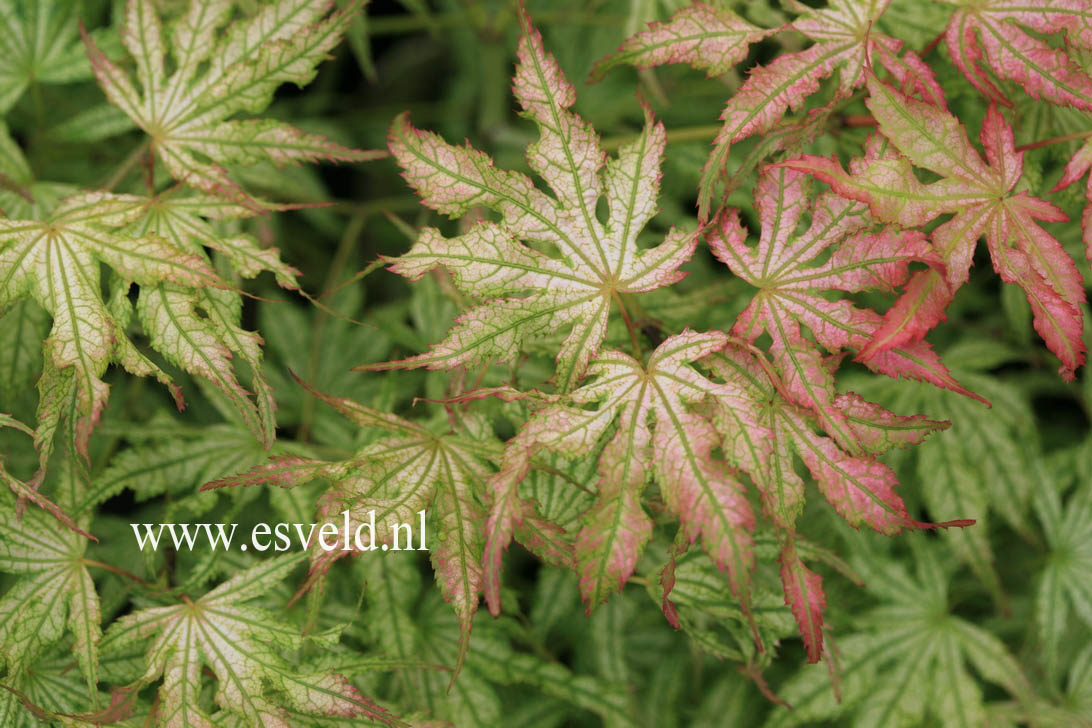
<point x="665" y="420"/>
<point x="56" y="262"/>
<point x="594" y="262"/>
<point x="844" y="41"/>
<point x="50" y="684"/>
<point x="38" y="44"/>
<point x="195" y="327"/>
<point x="999" y="28"/>
<point x="909" y="662"/>
<point x="29" y="491"/>
<point x="1053" y="74"/>
<point x="701" y="604"/>
<point x="199" y="329"/>
<point x="218" y="72"/>
<point x="245" y="648"/>
<point x="706" y="37"/>
<point x="762" y="429"/>
<point x="168" y="458"/>
<point x="53" y="596"/>
<point x="793" y="289"/>
<point x="986" y="466"/>
<point x="411" y="470"/>
<point x="412" y="627"/>
<point x="980" y="195"/>
<point x="1063" y="584"/>
<point x="654" y="433"/>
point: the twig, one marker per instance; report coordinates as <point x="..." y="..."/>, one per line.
<point x="1055" y="140"/>
<point x="126" y="166"/>
<point x="634" y="335"/>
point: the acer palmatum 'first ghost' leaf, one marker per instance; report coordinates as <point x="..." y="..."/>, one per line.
<point x="222" y="69"/>
<point x="412" y="469"/>
<point x="57" y="263"/>
<point x="245" y="648"/>
<point x="595" y="261"/>
<point x="980" y="195"/>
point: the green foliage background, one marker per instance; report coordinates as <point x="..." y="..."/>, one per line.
<point x="988" y="626"/>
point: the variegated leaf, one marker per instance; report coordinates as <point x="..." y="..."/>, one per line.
<point x="647" y="407"/>
<point x="569" y="266"/>
<point x="221" y="69"/>
<point x="57" y="263"/>
<point x="412" y="470"/>
<point x="794" y="290"/>
<point x="246" y="649"/>
<point x="980" y="193"/>
<point x="707" y="37"/>
<point x="53" y="596"/>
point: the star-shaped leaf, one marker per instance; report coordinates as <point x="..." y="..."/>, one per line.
<point x="411" y="470"/>
<point x="646" y="410"/>
<point x="980" y="195"/>
<point x="911" y="661"/>
<point x="664" y="420"/>
<point x="1063" y="584"/>
<point x="763" y="430"/>
<point x="794" y="289"/>
<point x="555" y="250"/>
<point x="54" y="596"/>
<point x="50" y="685"/>
<point x="844" y="41"/>
<point x="57" y="262"/>
<point x="39" y="43"/>
<point x="221" y="69"/>
<point x="997" y="32"/>
<point x="247" y="650"/>
<point x="200" y="330"/>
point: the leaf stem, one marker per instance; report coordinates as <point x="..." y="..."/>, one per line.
<point x="121" y="572"/>
<point x="344" y="250"/>
<point x="859" y="120"/>
<point x="760" y="357"/>
<point x="126" y="166"/>
<point x="932" y="44"/>
<point x="359" y="276"/>
<point x="1055" y="140"/>
<point x="381" y="204"/>
<point x="634" y="335"/>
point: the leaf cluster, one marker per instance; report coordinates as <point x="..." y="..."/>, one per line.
<point x="682" y="357"/>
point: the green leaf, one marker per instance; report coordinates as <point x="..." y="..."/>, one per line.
<point x="1064" y="587"/>
<point x="38" y="44"/>
<point x="911" y="661"/>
